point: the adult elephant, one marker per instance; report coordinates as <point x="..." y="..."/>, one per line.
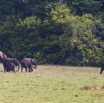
<point x="10" y="63"/>
<point x="28" y="63"/>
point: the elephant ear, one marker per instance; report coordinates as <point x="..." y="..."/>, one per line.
<point x="33" y="61"/>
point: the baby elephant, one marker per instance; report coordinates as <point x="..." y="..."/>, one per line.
<point x="27" y="63"/>
<point x="10" y="67"/>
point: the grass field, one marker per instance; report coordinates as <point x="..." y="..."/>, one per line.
<point x="52" y="84"/>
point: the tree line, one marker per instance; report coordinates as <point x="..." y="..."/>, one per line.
<point x="53" y="31"/>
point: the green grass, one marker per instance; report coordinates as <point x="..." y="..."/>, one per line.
<point x="52" y="84"/>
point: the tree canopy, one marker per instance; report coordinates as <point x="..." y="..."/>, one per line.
<point x="53" y="31"/>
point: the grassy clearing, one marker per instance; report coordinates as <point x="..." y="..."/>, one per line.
<point x="52" y="84"/>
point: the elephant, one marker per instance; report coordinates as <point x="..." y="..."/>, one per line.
<point x="10" y="63"/>
<point x="9" y="66"/>
<point x="102" y="67"/>
<point x="27" y="63"/>
<point x="15" y="62"/>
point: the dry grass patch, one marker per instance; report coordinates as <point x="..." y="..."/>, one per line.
<point x="92" y="88"/>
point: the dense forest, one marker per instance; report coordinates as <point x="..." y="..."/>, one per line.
<point x="66" y="32"/>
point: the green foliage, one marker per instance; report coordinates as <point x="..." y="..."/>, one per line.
<point x="74" y="45"/>
<point x="82" y="46"/>
<point x="70" y="33"/>
<point x="81" y="7"/>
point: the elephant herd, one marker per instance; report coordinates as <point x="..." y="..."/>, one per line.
<point x="9" y="64"/>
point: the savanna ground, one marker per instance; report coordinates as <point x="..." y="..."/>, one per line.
<point x="52" y="84"/>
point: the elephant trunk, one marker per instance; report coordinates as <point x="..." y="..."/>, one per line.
<point x="34" y="63"/>
<point x="34" y="66"/>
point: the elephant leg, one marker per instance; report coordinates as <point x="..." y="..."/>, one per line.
<point x="101" y="70"/>
<point x="5" y="69"/>
<point x="25" y="69"/>
<point x="21" y="69"/>
<point x="13" y="69"/>
<point x="30" y="68"/>
<point x="8" y="69"/>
